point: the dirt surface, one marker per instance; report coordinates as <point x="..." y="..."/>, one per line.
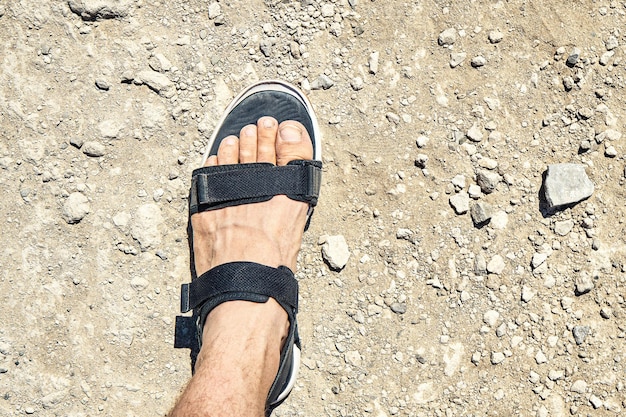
<point x="106" y="106"/>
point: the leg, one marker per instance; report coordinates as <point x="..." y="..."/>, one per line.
<point x="242" y="340"/>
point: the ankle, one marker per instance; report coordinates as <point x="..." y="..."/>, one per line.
<point x="247" y="323"/>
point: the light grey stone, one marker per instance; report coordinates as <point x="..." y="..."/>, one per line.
<point x="215" y="9"/>
<point x="497" y="358"/>
<point x="584" y="283"/>
<point x="538" y="259"/>
<point x="580" y="333"/>
<point x="373" y="62"/>
<point x="487" y="180"/>
<point x="496" y="265"/>
<point x="336" y="252"/>
<point x="481" y="212"/>
<point x="491" y="317"/>
<point x="157" y="82"/>
<point x="460" y="202"/>
<point x="75" y="208"/>
<point x="457" y="58"/>
<point x="323" y="82"/>
<point x="100" y="9"/>
<point x="475" y="133"/>
<point x="478" y="61"/>
<point x="562" y="228"/>
<point x="527" y="293"/>
<point x="579" y="386"/>
<point x="447" y="37"/>
<point x="540" y="357"/>
<point x="93" y="148"/>
<point x="566" y="184"/>
<point x="495" y="36"/>
<point x="145" y="226"/>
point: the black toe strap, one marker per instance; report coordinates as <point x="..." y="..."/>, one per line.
<point x="222" y="186"/>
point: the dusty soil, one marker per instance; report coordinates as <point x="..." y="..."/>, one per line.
<point x="105" y="109"/>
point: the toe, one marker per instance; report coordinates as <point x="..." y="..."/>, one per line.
<point x="293" y="142"/>
<point x="211" y="161"/>
<point x="267" y="128"/>
<point x="248" y="144"/>
<point x="228" y="152"/>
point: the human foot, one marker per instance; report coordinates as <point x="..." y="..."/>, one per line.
<point x="269" y="232"/>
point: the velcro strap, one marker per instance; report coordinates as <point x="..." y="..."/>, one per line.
<point x="221" y="186"/>
<point x="239" y="280"/>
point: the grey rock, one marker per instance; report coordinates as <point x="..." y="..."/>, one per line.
<point x="580" y="333"/>
<point x="487" y="180"/>
<point x="460" y="202"/>
<point x="77" y="142"/>
<point x="100" y="9"/>
<point x="572" y="59"/>
<point x="421" y="159"/>
<point x="93" y="148"/>
<point x="611" y="43"/>
<point x="481" y="213"/>
<point x="538" y="259"/>
<point x="566" y="184"/>
<point x="595" y="401"/>
<point x="357" y="83"/>
<point x="568" y="83"/>
<point x="336" y="252"/>
<point x="447" y="37"/>
<point x="75" y="208"/>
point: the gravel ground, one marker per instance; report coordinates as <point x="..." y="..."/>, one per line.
<point x="447" y="271"/>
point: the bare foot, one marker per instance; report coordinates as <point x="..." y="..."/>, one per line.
<point x="267" y="233"/>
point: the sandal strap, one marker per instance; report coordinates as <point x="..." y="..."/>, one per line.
<point x="222" y="186"/>
<point x="248" y="280"/>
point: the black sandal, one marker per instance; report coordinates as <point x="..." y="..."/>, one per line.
<point x="222" y="186"/>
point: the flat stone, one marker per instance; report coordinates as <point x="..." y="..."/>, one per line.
<point x="475" y="133"/>
<point x="460" y="202"/>
<point x="157" y="82"/>
<point x="481" y="213"/>
<point x="92" y="148"/>
<point x="336" y="252"/>
<point x="496" y="265"/>
<point x="538" y="259"/>
<point x="579" y="386"/>
<point x="566" y="184"/>
<point x="100" y="9"/>
<point x="562" y="228"/>
<point x="447" y="37"/>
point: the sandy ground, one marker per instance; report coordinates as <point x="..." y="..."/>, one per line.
<point x="105" y="108"/>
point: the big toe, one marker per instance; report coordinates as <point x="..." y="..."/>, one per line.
<point x="292" y="143"/>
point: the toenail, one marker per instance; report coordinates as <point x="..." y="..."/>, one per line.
<point x="268" y="123"/>
<point x="290" y="133"/>
<point x="229" y="140"/>
<point x="248" y="131"/>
